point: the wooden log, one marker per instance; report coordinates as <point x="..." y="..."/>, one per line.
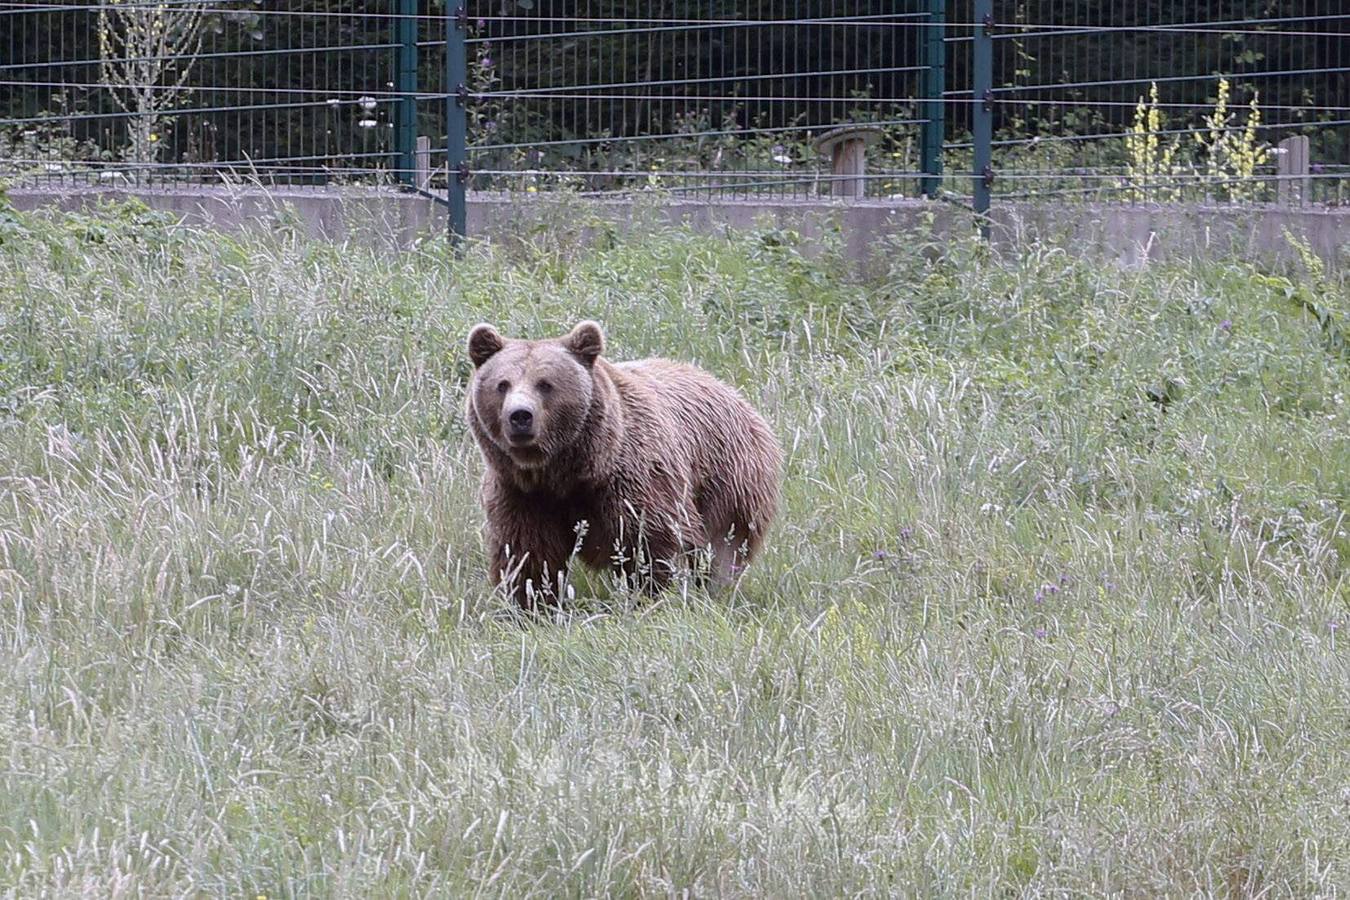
<point x="1291" y="165"/>
<point x="422" y="155"/>
<point x="847" y="149"/>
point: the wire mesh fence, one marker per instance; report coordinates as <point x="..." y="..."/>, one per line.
<point x="131" y="91"/>
<point x="1188" y="100"/>
<point x="974" y="101"/>
<point x="725" y="99"/>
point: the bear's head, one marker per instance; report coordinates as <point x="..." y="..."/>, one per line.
<point x="531" y="399"/>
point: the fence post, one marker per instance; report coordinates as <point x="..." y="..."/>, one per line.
<point x="933" y="129"/>
<point x="982" y="109"/>
<point x="457" y="123"/>
<point x="422" y="181"/>
<point x="1291" y="167"/>
<point x="405" y="109"/>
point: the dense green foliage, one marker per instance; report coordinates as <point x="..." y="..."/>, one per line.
<point x="1058" y="601"/>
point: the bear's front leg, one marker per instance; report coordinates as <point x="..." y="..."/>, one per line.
<point x="527" y="575"/>
<point x="528" y="550"/>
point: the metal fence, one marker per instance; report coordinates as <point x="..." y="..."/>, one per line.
<point x="183" y="90"/>
<point x="971" y="101"/>
<point x="1189" y="100"/>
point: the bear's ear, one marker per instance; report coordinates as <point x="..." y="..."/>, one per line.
<point x="586" y="341"/>
<point x="484" y="341"/>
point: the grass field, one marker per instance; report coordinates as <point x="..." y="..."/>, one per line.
<point x="1057" y="605"/>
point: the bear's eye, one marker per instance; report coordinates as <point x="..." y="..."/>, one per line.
<point x="545" y="387"/>
<point x="503" y="386"/>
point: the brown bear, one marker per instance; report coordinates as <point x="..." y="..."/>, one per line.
<point x="633" y="465"/>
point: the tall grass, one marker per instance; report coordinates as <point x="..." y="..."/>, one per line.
<point x="1057" y="604"/>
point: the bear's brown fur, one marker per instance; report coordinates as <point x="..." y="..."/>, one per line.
<point x="637" y="464"/>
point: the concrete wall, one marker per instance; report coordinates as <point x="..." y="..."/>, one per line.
<point x="1125" y="234"/>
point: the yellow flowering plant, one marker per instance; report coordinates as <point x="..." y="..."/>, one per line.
<point x="1230" y="156"/>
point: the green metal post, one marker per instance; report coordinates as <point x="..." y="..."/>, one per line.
<point x="934" y="80"/>
<point x="457" y="122"/>
<point x="405" y="112"/>
<point x="982" y="109"/>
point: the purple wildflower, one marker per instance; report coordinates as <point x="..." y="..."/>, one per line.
<point x="1064" y="580"/>
<point x="486" y="62"/>
<point x="880" y="554"/>
<point x="1226" y="325"/>
<point x="482" y="23"/>
<point x="1039" y="597"/>
<point x="1040" y="632"/>
<point x="906" y="533"/>
<point x="1052" y="588"/>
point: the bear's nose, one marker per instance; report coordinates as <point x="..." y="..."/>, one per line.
<point x="521" y="420"/>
